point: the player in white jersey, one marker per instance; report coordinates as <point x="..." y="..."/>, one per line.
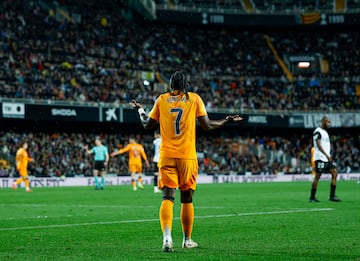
<point x="323" y="160"/>
<point x="156" y="144"/>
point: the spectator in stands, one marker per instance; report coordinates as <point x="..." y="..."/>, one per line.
<point x="70" y="60"/>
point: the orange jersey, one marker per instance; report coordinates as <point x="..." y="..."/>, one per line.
<point x="136" y="153"/>
<point x="22" y="159"/>
<point x="177" y="116"/>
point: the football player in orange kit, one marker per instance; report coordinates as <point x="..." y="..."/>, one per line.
<point x="22" y="159"/>
<point x="177" y="111"/>
<point x="136" y="155"/>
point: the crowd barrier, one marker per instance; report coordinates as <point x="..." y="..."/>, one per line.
<point x="37" y="182"/>
<point x="43" y="112"/>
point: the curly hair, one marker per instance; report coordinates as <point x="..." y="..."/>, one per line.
<point x="178" y="81"/>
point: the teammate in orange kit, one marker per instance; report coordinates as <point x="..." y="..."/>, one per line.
<point x="136" y="154"/>
<point x="22" y="159"/>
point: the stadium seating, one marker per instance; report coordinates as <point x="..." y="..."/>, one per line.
<point x="58" y="154"/>
<point x="97" y="54"/>
<point x="99" y="60"/>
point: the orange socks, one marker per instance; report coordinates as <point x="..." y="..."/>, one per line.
<point x="187" y="218"/>
<point x="166" y="214"/>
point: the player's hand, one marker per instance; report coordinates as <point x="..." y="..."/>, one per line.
<point x="86" y="146"/>
<point x="136" y="105"/>
<point x="233" y="118"/>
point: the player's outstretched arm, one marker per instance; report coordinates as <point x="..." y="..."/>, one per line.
<point x="146" y="121"/>
<point x="208" y="124"/>
<point x="113" y="154"/>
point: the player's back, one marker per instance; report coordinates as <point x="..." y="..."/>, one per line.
<point x="177" y="116"/>
<point x="21" y="158"/>
<point x="135" y="151"/>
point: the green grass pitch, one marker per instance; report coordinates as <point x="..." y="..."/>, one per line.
<point x="247" y="221"/>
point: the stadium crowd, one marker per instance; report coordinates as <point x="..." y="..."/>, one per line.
<point x="63" y="154"/>
<point x="95" y="54"/>
<point x="100" y="57"/>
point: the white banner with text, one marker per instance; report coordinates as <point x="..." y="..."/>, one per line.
<point x="37" y="182"/>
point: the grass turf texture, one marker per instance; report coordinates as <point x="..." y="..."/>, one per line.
<point x="248" y="221"/>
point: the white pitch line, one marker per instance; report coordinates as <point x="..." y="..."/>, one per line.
<point x="78" y="206"/>
<point x="270" y="213"/>
<point x="157" y="220"/>
<point x="93" y="206"/>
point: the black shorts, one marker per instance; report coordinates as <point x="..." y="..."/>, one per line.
<point x="99" y="165"/>
<point x="323" y="167"/>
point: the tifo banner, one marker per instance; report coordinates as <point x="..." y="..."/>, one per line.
<point x="147" y="180"/>
<point x="310" y="18"/>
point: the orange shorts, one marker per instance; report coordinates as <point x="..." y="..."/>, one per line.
<point x="178" y="173"/>
<point x="23" y="172"/>
<point x="135" y="167"/>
